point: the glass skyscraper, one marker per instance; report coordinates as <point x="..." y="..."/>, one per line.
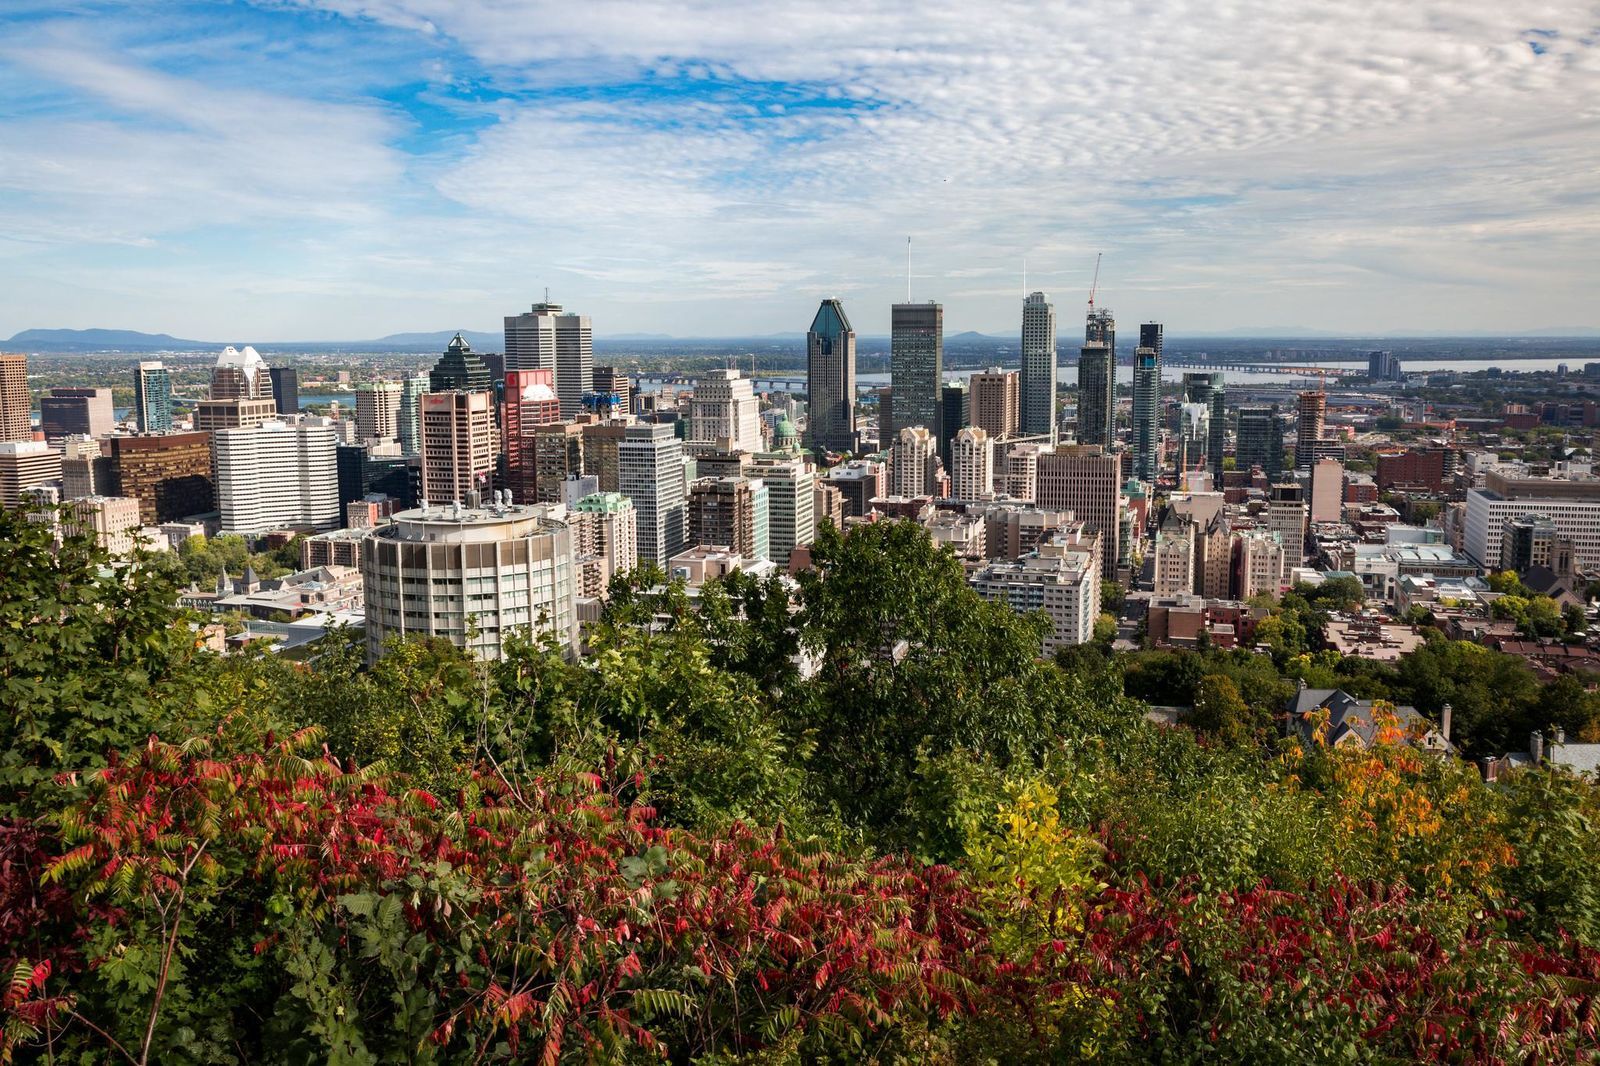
<point x="1147" y="402"/>
<point x="152" y="398"/>
<point x="1208" y="388"/>
<point x="831" y="379"/>
<point x="1038" y="384"/>
<point x="916" y="364"/>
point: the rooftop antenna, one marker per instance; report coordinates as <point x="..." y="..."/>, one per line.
<point x="1096" y="283"/>
<point x="908" y="270"/>
<point x="547" y="295"/>
<point x="1024" y="277"/>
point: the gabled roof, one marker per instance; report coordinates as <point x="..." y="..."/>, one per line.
<point x="1351" y="719"/>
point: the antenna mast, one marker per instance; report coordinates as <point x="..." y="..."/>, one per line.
<point x="908" y="270"/>
<point x="1095" y="285"/>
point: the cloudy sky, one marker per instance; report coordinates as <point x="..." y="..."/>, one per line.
<point x="347" y="168"/>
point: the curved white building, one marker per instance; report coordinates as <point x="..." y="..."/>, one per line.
<point x="444" y="570"/>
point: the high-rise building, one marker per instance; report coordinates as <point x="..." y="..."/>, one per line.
<point x="1173" y="554"/>
<point x="1313" y="409"/>
<point x="1017" y="474"/>
<point x="1152" y="335"/>
<point x="725" y="408"/>
<point x="955" y="414"/>
<point x="730" y="512"/>
<point x="1037" y="410"/>
<point x="25" y="465"/>
<point x="1260" y="440"/>
<point x="85" y="468"/>
<point x="972" y="471"/>
<point x="1534" y="540"/>
<point x="1059" y="579"/>
<point x="1146" y="408"/>
<point x="548" y="338"/>
<point x="235" y="412"/>
<point x="858" y="482"/>
<point x="1209" y="389"/>
<point x="152" y="398"/>
<point x="16" y="402"/>
<point x="1258" y="563"/>
<point x="240" y="375"/>
<point x="828" y="504"/>
<point x="914" y="463"/>
<point x="791" y="502"/>
<point x="613" y="389"/>
<point x="916" y="365"/>
<point x="473" y="576"/>
<point x="378" y="410"/>
<point x="557" y="456"/>
<point x="285" y="383"/>
<point x="528" y="402"/>
<point x="602" y="442"/>
<point x="460" y="369"/>
<point x="1286" y="516"/>
<point x="168" y="473"/>
<point x="1097" y="394"/>
<point x="1087" y="481"/>
<point x="277" y="476"/>
<point x="1383" y="366"/>
<point x="995" y="396"/>
<point x="608" y="527"/>
<point x="409" y="420"/>
<point x="651" y="473"/>
<point x="1571" y="501"/>
<point x="831" y="379"/>
<point x="76" y="412"/>
<point x="1327" y="490"/>
<point x="363" y="473"/>
<point x="458" y="455"/>
<point x="113" y="521"/>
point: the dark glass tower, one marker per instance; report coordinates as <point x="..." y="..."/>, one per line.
<point x="1146" y="407"/>
<point x="1208" y="388"/>
<point x="955" y="414"/>
<point x="1260" y="440"/>
<point x="1097" y="380"/>
<point x="1037" y="386"/>
<point x="285" y="388"/>
<point x="459" y="368"/>
<point x="831" y="379"/>
<point x="916" y="364"/>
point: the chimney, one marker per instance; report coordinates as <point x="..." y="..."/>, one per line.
<point x="1536" y="747"/>
<point x="1444" y="722"/>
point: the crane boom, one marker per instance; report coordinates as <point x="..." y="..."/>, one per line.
<point x="1095" y="285"/>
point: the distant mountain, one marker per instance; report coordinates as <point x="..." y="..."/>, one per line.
<point x="80" y="340"/>
<point x="486" y="342"/>
<point x="972" y="336"/>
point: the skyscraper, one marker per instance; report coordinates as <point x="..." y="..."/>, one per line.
<point x="1146" y="412"/>
<point x="995" y="398"/>
<point x="16" y="403"/>
<point x="1097" y="394"/>
<point x="529" y="401"/>
<point x="547" y="338"/>
<point x="831" y="379"/>
<point x="914" y="463"/>
<point x="276" y="476"/>
<point x="460" y="369"/>
<point x="1210" y="389"/>
<point x="651" y="473"/>
<point x="791" y="502"/>
<point x="409" y="421"/>
<point x="1313" y="409"/>
<point x="152" y="398"/>
<point x="916" y="365"/>
<point x="378" y="410"/>
<point x="955" y="414"/>
<point x="610" y="382"/>
<point x="240" y="375"/>
<point x="1038" y="383"/>
<point x="725" y="408"/>
<point x="69" y="412"/>
<point x="285" y="382"/>
<point x="458" y="456"/>
<point x="972" y="474"/>
<point x="730" y="512"/>
<point x="1260" y="440"/>
<point x="1087" y="481"/>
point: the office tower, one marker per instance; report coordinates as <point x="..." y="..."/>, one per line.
<point x="1286" y="516"/>
<point x="529" y="401"/>
<point x="1532" y="540"/>
<point x="916" y="365"/>
<point x="885" y="397"/>
<point x="955" y="414"/>
<point x="1260" y="440"/>
<point x="233" y="413"/>
<point x="76" y="412"/>
<point x="914" y="464"/>
<point x="1152" y="335"/>
<point x="1327" y="490"/>
<point x="1313" y="408"/>
<point x="557" y="455"/>
<point x="791" y="502"/>
<point x="1146" y="412"/>
<point x="730" y="512"/>
<point x="1383" y="366"/>
<point x="613" y="389"/>
<point x="85" y="468"/>
<point x="408" y="426"/>
<point x="460" y="369"/>
<point x="1059" y="579"/>
<point x="725" y="408"/>
<point x="152" y="398"/>
<point x="285" y="384"/>
<point x="972" y="472"/>
<point x="602" y="442"/>
<point x="1037" y="386"/>
<point x="1097" y="394"/>
<point x="16" y="403"/>
<point x="547" y="338"/>
<point x="168" y="473"/>
<point x="994" y="395"/>
<point x="473" y="576"/>
<point x="277" y="476"/>
<point x="831" y="379"/>
<point x="609" y="530"/>
<point x="858" y="482"/>
<point x="1510" y="493"/>
<point x="378" y="410"/>
<point x="651" y="473"/>
<point x="1017" y="473"/>
<point x="1209" y="390"/>
<point x="363" y="474"/>
<point x="1087" y="481"/>
<point x="25" y="465"/>
<point x="458" y="455"/>
<point x="240" y="375"/>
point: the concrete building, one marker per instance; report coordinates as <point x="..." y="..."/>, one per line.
<point x="1017" y="472"/>
<point x="241" y="375"/>
<point x="1012" y="530"/>
<point x="1037" y="383"/>
<point x="168" y="473"/>
<point x="152" y="397"/>
<point x="16" y="402"/>
<point x="1534" y="540"/>
<point x="916" y="367"/>
<point x="409" y="420"/>
<point x="613" y="391"/>
<point x="1173" y="554"/>
<point x="113" y="522"/>
<point x="26" y="465"/>
<point x="277" y="476"/>
<point x="458" y="453"/>
<point x="827" y="504"/>
<point x="831" y="379"/>
<point x="651" y="473"/>
<point x="995" y="397"/>
<point x="858" y="483"/>
<point x="972" y="472"/>
<point x="1569" y="498"/>
<point x="471" y="575"/>
<point x="601" y="444"/>
<point x="1258" y="563"/>
<point x="791" y="502"/>
<point x="76" y="412"/>
<point x="1062" y="582"/>
<point x="608" y="529"/>
<point x="1286" y="516"/>
<point x="914" y="463"/>
<point x="284" y="381"/>
<point x="1087" y="481"/>
<point x="1327" y="490"/>
<point x="528" y="405"/>
<point x="85" y="468"/>
<point x="1313" y="410"/>
<point x="1146" y="407"/>
<point x="378" y="410"/>
<point x="549" y="338"/>
<point x="730" y="512"/>
<point x="337" y="547"/>
<point x="1430" y="468"/>
<point x="725" y="408"/>
<point x="233" y="413"/>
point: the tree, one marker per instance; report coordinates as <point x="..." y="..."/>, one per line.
<point x="1220" y="711"/>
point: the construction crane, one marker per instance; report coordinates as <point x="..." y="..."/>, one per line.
<point x="1095" y="285"/>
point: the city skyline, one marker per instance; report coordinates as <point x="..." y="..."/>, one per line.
<point x="326" y="170"/>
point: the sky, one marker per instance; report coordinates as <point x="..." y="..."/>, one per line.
<point x="342" y="169"/>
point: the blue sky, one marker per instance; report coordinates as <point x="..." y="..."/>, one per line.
<point x="346" y="168"/>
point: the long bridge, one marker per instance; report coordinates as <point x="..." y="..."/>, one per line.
<point x="797" y="382"/>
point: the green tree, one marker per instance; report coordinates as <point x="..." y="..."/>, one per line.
<point x="1221" y="712"/>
